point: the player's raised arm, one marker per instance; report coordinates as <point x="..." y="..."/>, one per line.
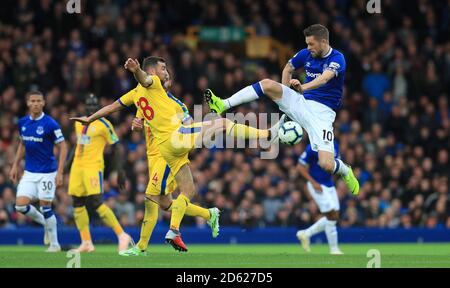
<point x="141" y="76"/>
<point x="326" y="76"/>
<point x="19" y="155"/>
<point x="105" y="111"/>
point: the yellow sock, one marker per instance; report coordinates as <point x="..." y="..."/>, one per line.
<point x="179" y="206"/>
<point x="148" y="223"/>
<point x="241" y="131"/>
<point x="194" y="210"/>
<point x="82" y="221"/>
<point x="109" y="218"/>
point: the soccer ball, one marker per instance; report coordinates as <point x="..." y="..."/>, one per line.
<point x="290" y="133"/>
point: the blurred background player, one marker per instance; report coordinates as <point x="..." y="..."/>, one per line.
<point x="162" y="184"/>
<point x="321" y="188"/>
<point x="39" y="133"/>
<point x="314" y="103"/>
<point x="86" y="177"/>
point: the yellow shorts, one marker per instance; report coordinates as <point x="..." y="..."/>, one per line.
<point x="85" y="181"/>
<point x="175" y="150"/>
<point x="161" y="179"/>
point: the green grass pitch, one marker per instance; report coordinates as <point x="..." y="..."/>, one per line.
<point x="235" y="256"/>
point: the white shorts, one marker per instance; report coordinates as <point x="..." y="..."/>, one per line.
<point x="327" y="200"/>
<point x="37" y="185"/>
<point x="316" y="118"/>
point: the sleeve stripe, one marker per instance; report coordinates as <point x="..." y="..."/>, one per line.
<point x="111" y="132"/>
<point x="303" y="162"/>
<point x="121" y="103"/>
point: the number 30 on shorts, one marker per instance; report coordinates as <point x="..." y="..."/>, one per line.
<point x="327" y="135"/>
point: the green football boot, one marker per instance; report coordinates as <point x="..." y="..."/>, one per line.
<point x="213" y="222"/>
<point x="215" y="104"/>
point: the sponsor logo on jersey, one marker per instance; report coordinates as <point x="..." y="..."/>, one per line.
<point x="32" y="139"/>
<point x="313" y="75"/>
<point x="84" y="140"/>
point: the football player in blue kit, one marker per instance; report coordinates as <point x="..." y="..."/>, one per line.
<point x="39" y="133"/>
<point x="320" y="186"/>
<point x="313" y="104"/>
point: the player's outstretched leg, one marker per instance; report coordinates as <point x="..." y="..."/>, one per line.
<point x="23" y="206"/>
<point x="304" y="236"/>
<point x="266" y="87"/>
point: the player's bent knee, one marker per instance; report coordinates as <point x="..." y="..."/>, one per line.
<point x="22" y="208"/>
<point x="271" y="89"/>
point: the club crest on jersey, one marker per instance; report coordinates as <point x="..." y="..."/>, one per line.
<point x="308" y="64"/>
<point x="24" y="128"/>
<point x="40" y="130"/>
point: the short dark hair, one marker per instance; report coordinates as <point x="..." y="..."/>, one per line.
<point x="33" y="92"/>
<point x="152" y="61"/>
<point x="318" y="31"/>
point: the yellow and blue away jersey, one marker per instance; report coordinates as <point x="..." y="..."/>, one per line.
<point x="163" y="113"/>
<point x="91" y="141"/>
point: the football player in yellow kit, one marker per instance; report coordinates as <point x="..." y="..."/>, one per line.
<point x="174" y="138"/>
<point x="86" y="177"/>
<point x="160" y="187"/>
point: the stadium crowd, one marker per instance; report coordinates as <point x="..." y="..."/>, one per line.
<point x="393" y="128"/>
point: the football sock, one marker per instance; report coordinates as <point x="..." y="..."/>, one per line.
<point x="179" y="206"/>
<point x="32" y="212"/>
<point x="148" y="224"/>
<point x="109" y="219"/>
<point x="340" y="168"/>
<point x="240" y="131"/>
<point x="244" y="95"/>
<point x="50" y="223"/>
<point x="82" y="221"/>
<point x="317" y="227"/>
<point x="331" y="232"/>
<point x="195" y="210"/>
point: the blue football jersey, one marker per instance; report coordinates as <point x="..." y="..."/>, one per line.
<point x="39" y="137"/>
<point x="330" y="93"/>
<point x="311" y="158"/>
